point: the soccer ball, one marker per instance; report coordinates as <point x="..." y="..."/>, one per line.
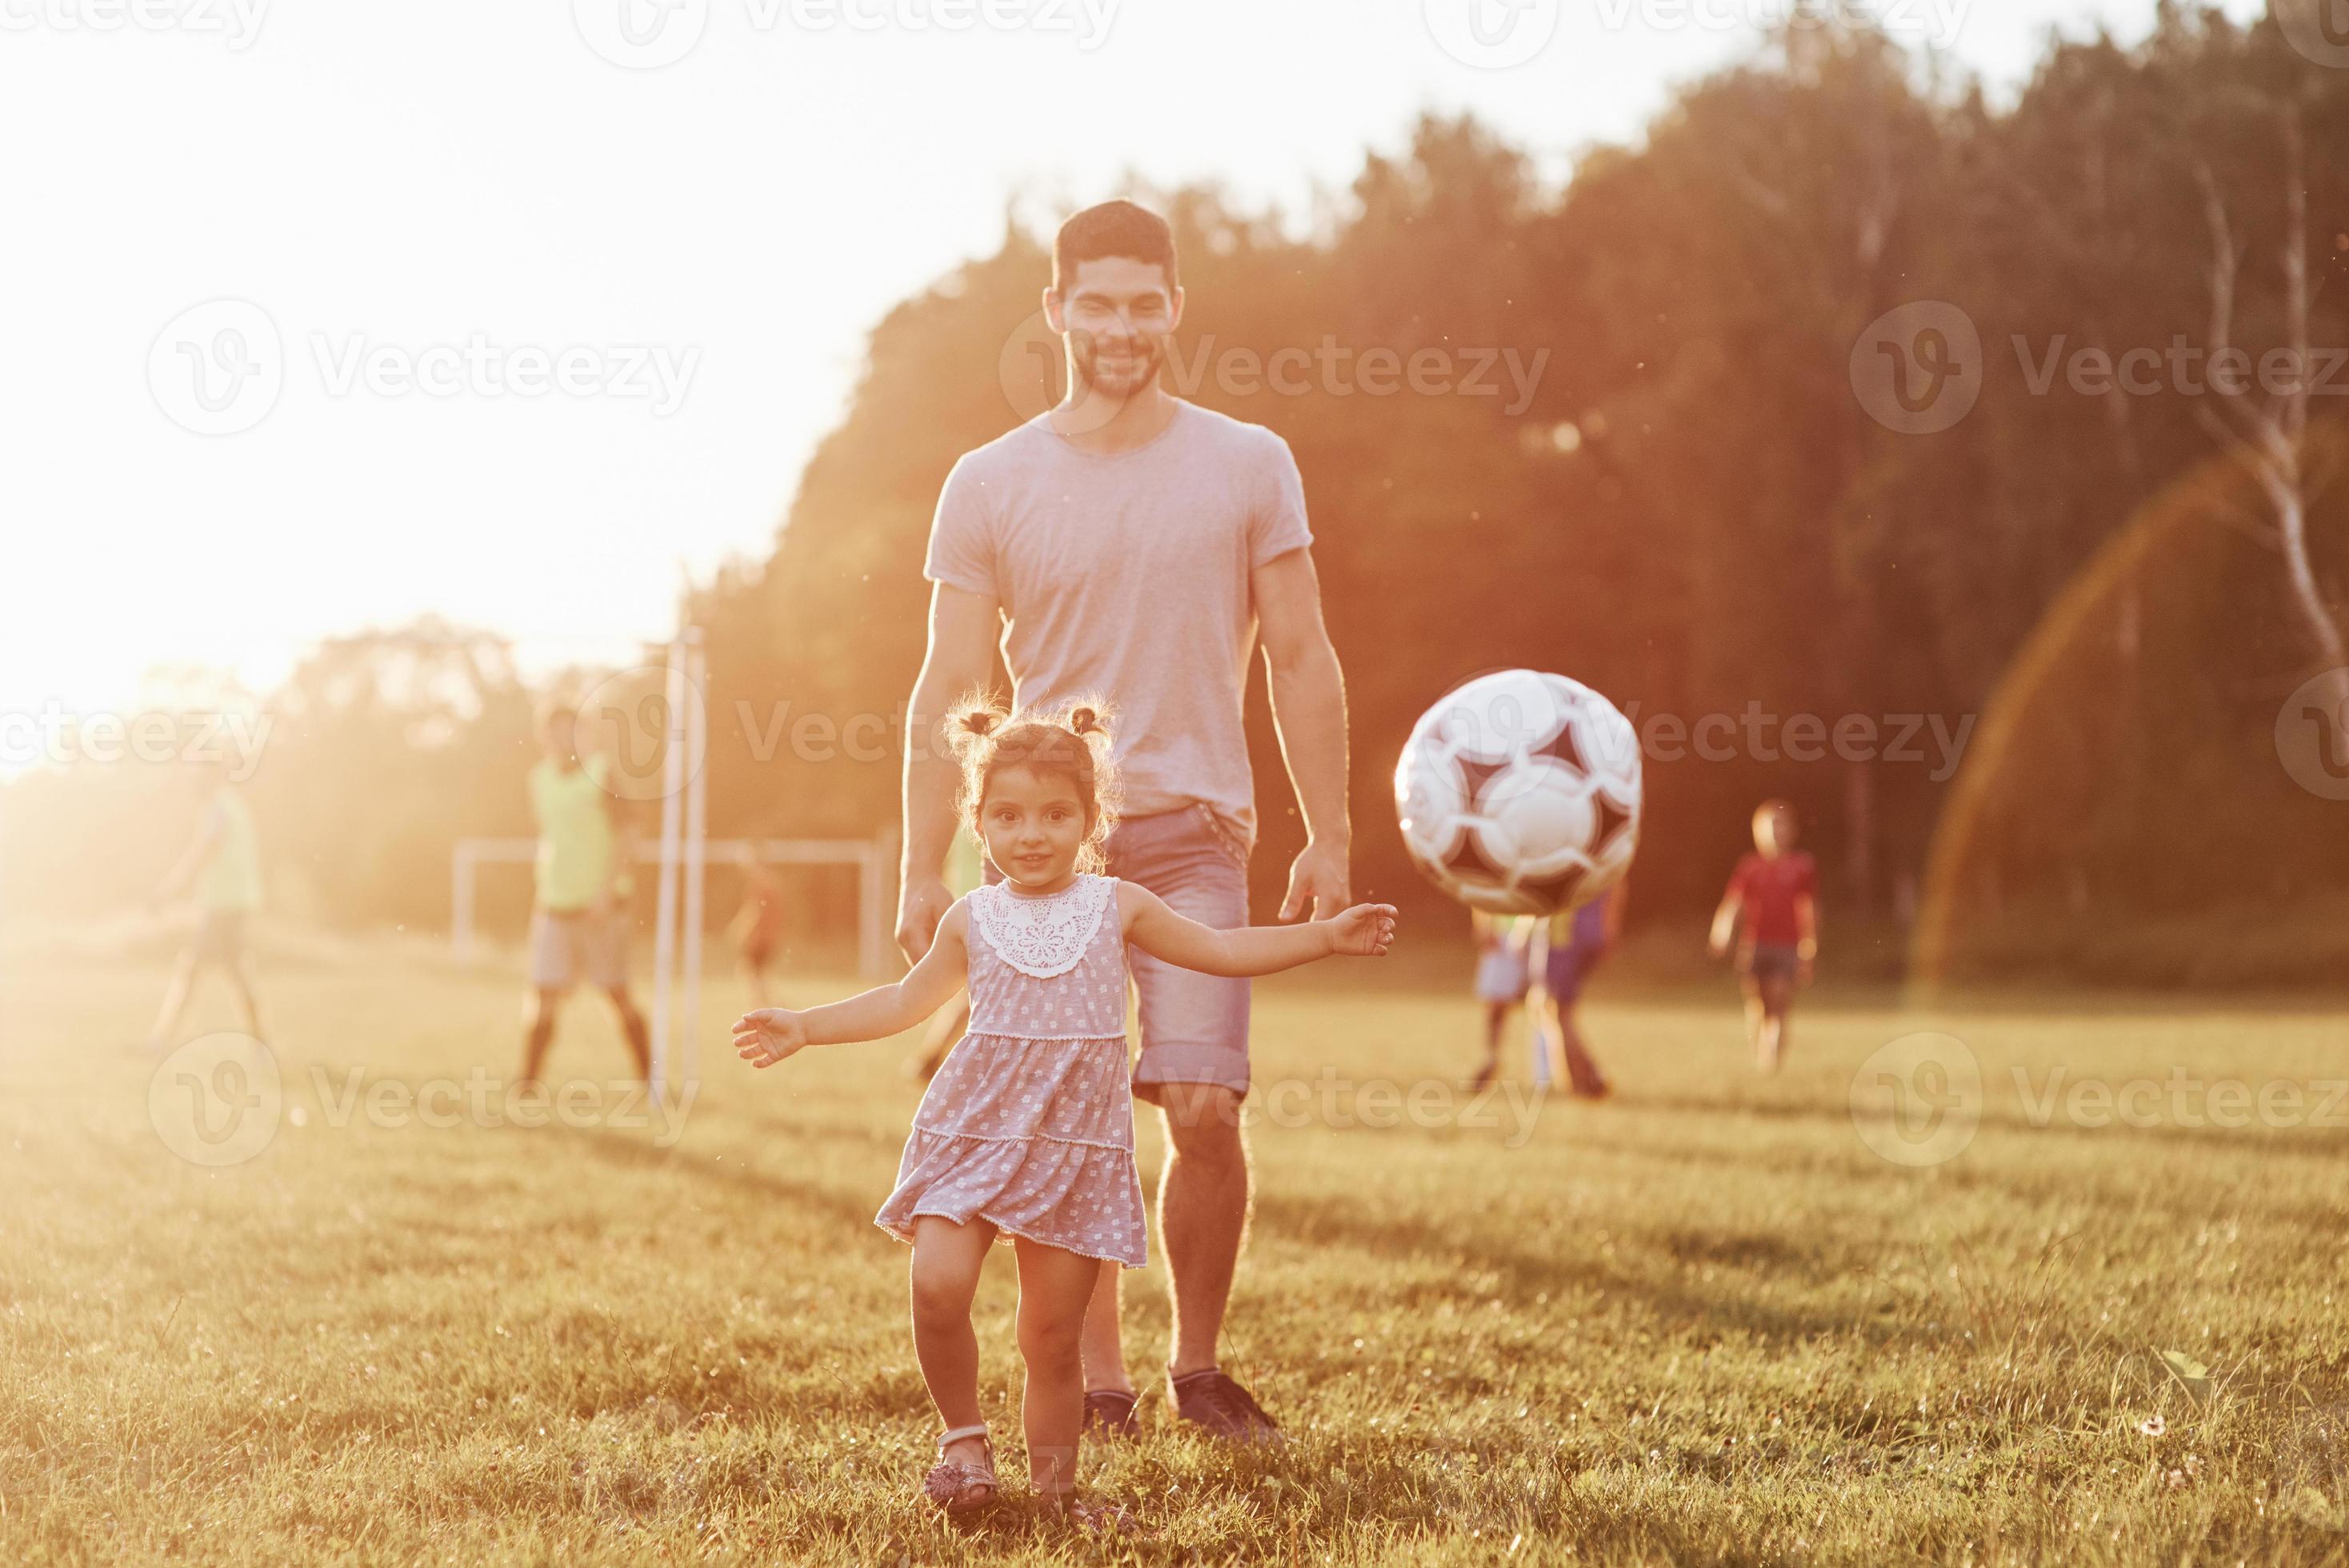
<point x="1519" y="793"/>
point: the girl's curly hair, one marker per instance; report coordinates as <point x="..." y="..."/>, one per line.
<point x="1068" y="739"/>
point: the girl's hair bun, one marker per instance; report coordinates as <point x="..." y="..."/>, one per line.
<point x="1084" y="721"/>
<point x="974" y="722"/>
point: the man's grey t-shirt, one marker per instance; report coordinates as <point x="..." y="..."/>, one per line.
<point x="1127" y="575"/>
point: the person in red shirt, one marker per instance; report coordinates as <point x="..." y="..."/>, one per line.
<point x="1774" y="897"/>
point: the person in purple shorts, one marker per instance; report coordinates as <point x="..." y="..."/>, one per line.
<point x="1026" y="1135"/>
<point x="1579" y="940"/>
<point x="1129" y="541"/>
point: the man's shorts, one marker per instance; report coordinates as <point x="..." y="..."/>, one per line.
<point x="1569" y="964"/>
<point x="1771" y="960"/>
<point x="1194" y="1026"/>
<point x="1501" y="976"/>
<point x="220" y="938"/>
<point x="576" y="946"/>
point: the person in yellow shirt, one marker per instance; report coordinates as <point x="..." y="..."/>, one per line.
<point x="224" y="865"/>
<point x="578" y="928"/>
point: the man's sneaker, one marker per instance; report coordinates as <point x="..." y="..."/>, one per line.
<point x="1109" y="1413"/>
<point x="1221" y="1406"/>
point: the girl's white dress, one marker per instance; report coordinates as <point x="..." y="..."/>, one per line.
<point x="1030" y="1124"/>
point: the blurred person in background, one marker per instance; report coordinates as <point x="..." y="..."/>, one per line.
<point x="1504" y="976"/>
<point x="758" y="929"/>
<point x="1772" y="906"/>
<point x="224" y="863"/>
<point x="1579" y="940"/>
<point x="578" y="927"/>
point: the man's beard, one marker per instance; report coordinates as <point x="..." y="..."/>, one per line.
<point x="1135" y="374"/>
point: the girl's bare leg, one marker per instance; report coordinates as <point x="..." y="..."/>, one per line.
<point x="1054" y="1287"/>
<point x="947" y="1258"/>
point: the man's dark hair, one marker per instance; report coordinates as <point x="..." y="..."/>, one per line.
<point x="1117" y="228"/>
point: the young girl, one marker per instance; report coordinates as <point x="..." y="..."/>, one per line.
<point x="1026" y="1135"/>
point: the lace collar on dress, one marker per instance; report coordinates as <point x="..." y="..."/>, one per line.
<point x="1042" y="936"/>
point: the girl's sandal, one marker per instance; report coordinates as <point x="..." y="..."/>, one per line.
<point x="959" y="1488"/>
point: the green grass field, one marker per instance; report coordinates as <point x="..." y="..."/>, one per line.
<point x="1702" y="1323"/>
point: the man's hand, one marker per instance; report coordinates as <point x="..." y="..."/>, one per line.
<point x="768" y="1035"/>
<point x="1318" y="884"/>
<point x="1363" y="931"/>
<point x="920" y="907"/>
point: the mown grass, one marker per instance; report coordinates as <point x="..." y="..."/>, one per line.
<point x="1702" y="1323"/>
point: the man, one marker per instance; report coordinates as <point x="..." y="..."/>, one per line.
<point x="1773" y="895"/>
<point x="224" y="864"/>
<point x="1132" y="543"/>
<point x="578" y="928"/>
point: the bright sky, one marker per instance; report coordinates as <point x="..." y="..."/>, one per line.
<point x="458" y="190"/>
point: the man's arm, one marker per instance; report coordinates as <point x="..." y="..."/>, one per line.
<point x="1309" y="711"/>
<point x="963" y="629"/>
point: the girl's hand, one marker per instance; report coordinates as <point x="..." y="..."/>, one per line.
<point x="766" y="1036"/>
<point x="1363" y="931"/>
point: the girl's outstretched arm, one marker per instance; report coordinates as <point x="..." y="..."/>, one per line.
<point x="1364" y="931"/>
<point x="768" y="1035"/>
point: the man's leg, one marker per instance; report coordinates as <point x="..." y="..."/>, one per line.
<point x="632" y="1025"/>
<point x="1582" y="1071"/>
<point x="248" y="1004"/>
<point x="609" y="958"/>
<point x="1203" y="1211"/>
<point x="182" y="985"/>
<point x="538" y="1031"/>
<point x="1194" y="1066"/>
<point x="1104" y="1343"/>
